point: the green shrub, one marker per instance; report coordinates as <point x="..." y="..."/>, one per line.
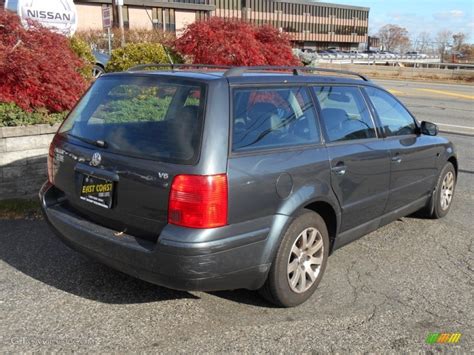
<point x="83" y="51"/>
<point x="135" y="54"/>
<point x="12" y="115"/>
<point x="133" y="104"/>
<point x="175" y="56"/>
<point x="135" y="110"/>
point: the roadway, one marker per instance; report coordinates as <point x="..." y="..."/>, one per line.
<point x="449" y="105"/>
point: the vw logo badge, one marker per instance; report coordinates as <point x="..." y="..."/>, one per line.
<point x="96" y="159"/>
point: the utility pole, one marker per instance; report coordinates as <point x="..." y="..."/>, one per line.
<point x="114" y="14"/>
<point x="120" y="20"/>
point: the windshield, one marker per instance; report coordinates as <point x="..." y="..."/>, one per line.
<point x="143" y="116"/>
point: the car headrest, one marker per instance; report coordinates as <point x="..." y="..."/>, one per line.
<point x="333" y="117"/>
<point x="301" y="128"/>
<point x="261" y="110"/>
<point x="189" y="113"/>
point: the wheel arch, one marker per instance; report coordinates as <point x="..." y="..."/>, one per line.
<point x="453" y="160"/>
<point x="319" y="198"/>
<point x="326" y="207"/>
<point x="329" y="215"/>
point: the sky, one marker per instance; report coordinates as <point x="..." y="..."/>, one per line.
<point x="419" y="15"/>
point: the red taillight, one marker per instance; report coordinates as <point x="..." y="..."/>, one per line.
<point x="52" y="146"/>
<point x="198" y="201"/>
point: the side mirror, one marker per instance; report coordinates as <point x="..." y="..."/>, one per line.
<point x="428" y="128"/>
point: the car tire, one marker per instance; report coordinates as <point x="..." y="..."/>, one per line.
<point x="442" y="198"/>
<point x="97" y="71"/>
<point x="299" y="263"/>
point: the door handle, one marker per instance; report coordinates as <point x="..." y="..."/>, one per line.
<point x="396" y="159"/>
<point x="339" y="169"/>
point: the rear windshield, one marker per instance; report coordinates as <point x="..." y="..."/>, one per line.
<point x="143" y="116"/>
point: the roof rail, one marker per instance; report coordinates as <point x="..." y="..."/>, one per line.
<point x="177" y="66"/>
<point x="238" y="71"/>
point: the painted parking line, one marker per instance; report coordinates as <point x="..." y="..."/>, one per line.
<point x="447" y="93"/>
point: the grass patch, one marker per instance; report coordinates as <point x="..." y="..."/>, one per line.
<point x="20" y="209"/>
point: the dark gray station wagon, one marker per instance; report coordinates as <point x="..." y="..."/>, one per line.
<point x="244" y="178"/>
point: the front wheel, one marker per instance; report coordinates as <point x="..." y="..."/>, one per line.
<point x="97" y="71"/>
<point x="443" y="195"/>
<point x="299" y="263"/>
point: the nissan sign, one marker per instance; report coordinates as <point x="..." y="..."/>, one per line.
<point x="58" y="15"/>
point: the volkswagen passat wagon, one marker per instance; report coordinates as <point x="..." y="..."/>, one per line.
<point x="244" y="178"/>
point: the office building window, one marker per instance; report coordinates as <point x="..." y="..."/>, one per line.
<point x="157" y="16"/>
<point x="170" y="25"/>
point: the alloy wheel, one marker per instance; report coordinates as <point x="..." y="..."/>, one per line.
<point x="304" y="262"/>
<point x="447" y="189"/>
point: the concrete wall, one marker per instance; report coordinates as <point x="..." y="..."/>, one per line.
<point x="23" y="152"/>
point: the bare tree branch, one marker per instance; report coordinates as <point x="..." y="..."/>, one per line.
<point x="443" y="38"/>
<point x="394" y="37"/>
<point x="423" y="42"/>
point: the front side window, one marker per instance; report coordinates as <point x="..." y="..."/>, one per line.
<point x="344" y="113"/>
<point x="270" y="118"/>
<point x="395" y="119"/>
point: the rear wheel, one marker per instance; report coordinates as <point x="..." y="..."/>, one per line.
<point x="443" y="195"/>
<point x="300" y="262"/>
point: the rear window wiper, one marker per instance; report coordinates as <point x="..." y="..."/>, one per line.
<point x="97" y="143"/>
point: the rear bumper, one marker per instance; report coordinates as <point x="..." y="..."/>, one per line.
<point x="239" y="260"/>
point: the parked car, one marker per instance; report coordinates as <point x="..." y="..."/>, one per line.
<point x="417" y="54"/>
<point x="335" y="52"/>
<point x="242" y="178"/>
<point x="387" y="55"/>
<point x="101" y="60"/>
<point x="358" y="54"/>
<point x="370" y="53"/>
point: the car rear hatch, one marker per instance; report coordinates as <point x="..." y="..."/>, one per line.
<point x="115" y="156"/>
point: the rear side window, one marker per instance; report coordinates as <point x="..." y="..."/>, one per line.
<point x="270" y="118"/>
<point x="142" y="116"/>
<point x="395" y="119"/>
<point x="344" y="113"/>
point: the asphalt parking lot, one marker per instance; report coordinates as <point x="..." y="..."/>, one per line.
<point x="385" y="292"/>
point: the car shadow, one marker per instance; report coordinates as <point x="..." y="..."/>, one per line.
<point x="251" y="298"/>
<point x="31" y="248"/>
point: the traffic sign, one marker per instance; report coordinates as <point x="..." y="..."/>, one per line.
<point x="106" y="16"/>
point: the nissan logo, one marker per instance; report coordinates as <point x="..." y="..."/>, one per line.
<point x="96" y="159"/>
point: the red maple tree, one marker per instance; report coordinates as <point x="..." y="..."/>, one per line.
<point x="275" y="46"/>
<point x="38" y="69"/>
<point x="231" y="42"/>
